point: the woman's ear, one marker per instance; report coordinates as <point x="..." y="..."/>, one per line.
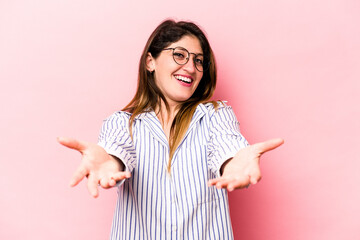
<point x="150" y="65"/>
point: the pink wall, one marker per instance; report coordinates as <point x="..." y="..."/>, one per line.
<point x="289" y="68"/>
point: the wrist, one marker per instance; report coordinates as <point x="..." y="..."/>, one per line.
<point x="223" y="166"/>
<point x="120" y="164"/>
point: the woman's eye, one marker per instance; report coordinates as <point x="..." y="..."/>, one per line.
<point x="199" y="61"/>
<point x="179" y="55"/>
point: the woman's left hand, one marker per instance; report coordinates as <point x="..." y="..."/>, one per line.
<point x="244" y="168"/>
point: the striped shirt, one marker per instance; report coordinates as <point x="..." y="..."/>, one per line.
<point x="154" y="204"/>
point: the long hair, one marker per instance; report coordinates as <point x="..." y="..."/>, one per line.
<point x="148" y="95"/>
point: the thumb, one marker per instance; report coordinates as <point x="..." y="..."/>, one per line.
<point x="268" y="145"/>
<point x="72" y="143"/>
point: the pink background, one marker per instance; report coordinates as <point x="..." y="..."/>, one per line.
<point x="290" y="69"/>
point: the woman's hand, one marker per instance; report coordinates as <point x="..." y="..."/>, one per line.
<point x="100" y="167"/>
<point x="244" y="168"/>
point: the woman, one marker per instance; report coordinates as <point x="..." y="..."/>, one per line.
<point x="170" y="146"/>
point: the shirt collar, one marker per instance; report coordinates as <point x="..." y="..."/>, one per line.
<point x="150" y="113"/>
<point x="151" y="120"/>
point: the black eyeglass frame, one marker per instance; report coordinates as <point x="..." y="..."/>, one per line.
<point x="205" y="65"/>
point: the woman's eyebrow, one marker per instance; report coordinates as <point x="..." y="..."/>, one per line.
<point x="197" y="53"/>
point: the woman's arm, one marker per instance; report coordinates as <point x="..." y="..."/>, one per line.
<point x="244" y="168"/>
<point x="97" y="165"/>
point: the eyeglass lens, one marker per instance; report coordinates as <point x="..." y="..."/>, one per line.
<point x="182" y="56"/>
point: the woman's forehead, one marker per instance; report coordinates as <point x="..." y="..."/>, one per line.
<point x="191" y="43"/>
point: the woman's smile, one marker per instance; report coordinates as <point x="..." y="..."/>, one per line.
<point x="184" y="80"/>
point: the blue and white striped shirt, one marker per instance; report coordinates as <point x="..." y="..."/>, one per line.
<point x="155" y="205"/>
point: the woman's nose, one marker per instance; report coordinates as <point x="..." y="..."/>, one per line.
<point x="190" y="65"/>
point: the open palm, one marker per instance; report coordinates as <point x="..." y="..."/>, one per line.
<point x="100" y="167"/>
<point x="244" y="168"/>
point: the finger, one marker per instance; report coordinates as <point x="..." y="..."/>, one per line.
<point x="79" y="175"/>
<point x="238" y="183"/>
<point x="224" y="183"/>
<point x="120" y="176"/>
<point x="211" y="182"/>
<point x="72" y="143"/>
<point x="214" y="181"/>
<point x="255" y="176"/>
<point x="110" y="181"/>
<point x="93" y="185"/>
<point x="107" y="182"/>
<point x="268" y="145"/>
<point x="255" y="179"/>
<point x="232" y="182"/>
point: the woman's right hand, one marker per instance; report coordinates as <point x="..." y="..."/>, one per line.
<point x="100" y="167"/>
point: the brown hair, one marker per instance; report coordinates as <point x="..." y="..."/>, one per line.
<point x="148" y="95"/>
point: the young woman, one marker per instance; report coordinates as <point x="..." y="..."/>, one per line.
<point x="170" y="146"/>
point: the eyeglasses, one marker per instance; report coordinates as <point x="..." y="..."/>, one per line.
<point x="181" y="56"/>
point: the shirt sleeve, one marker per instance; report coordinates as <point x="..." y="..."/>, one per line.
<point x="115" y="139"/>
<point x="225" y="137"/>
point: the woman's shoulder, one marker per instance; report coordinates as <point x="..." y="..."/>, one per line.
<point x="218" y="103"/>
<point x="215" y="106"/>
<point x="119" y="116"/>
<point x="220" y="113"/>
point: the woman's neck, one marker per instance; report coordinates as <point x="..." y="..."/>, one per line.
<point x="166" y="117"/>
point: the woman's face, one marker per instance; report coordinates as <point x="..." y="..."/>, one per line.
<point x="177" y="82"/>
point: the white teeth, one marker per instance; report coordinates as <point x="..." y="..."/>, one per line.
<point x="184" y="79"/>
